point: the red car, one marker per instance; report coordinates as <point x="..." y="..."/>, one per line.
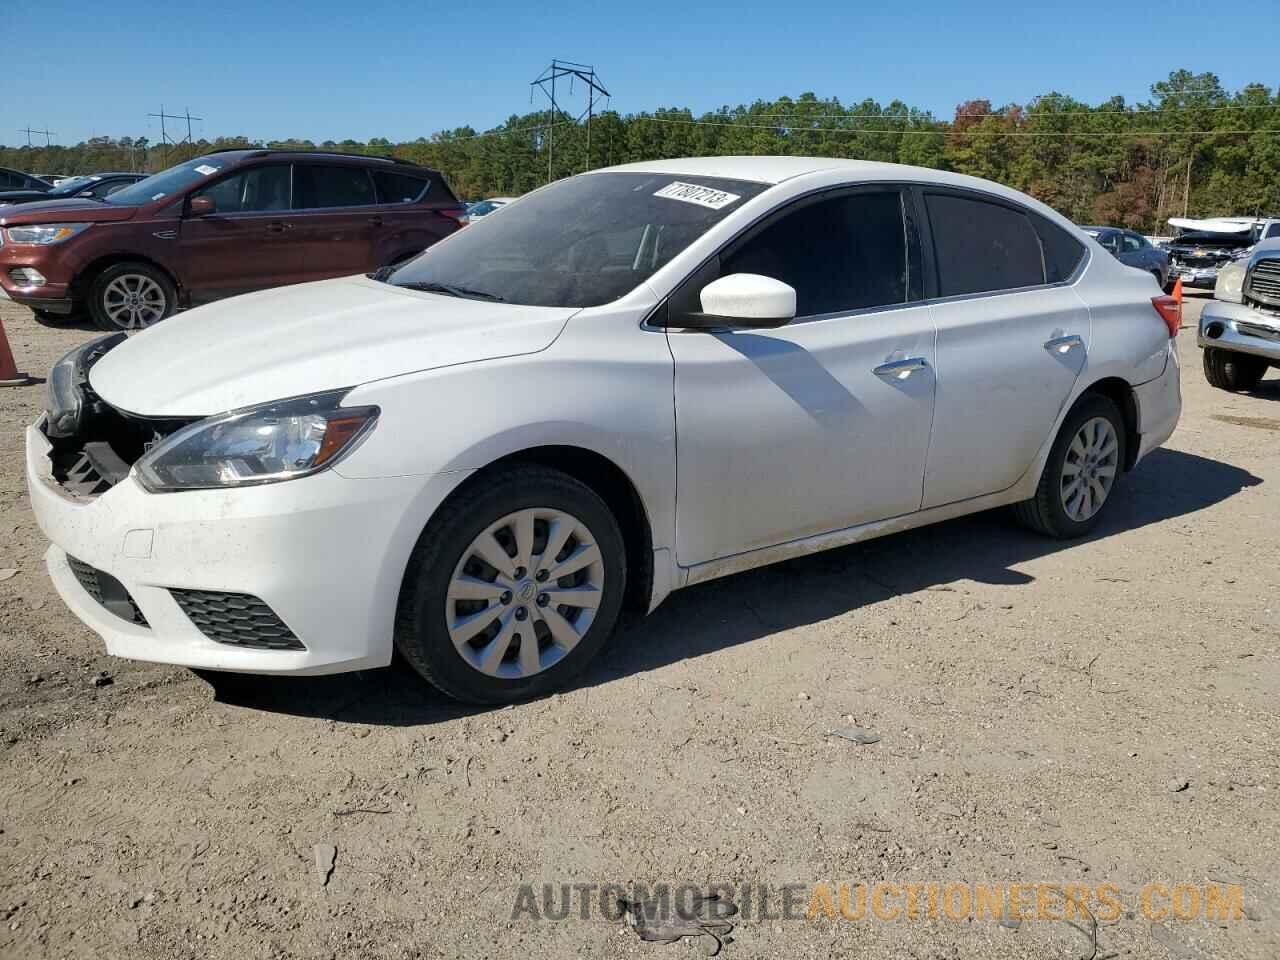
<point x="221" y="224"/>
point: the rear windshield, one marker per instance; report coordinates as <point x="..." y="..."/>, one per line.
<point x="580" y="242"/>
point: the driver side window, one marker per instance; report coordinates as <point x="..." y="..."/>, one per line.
<point x="843" y="254"/>
<point x="250" y="191"/>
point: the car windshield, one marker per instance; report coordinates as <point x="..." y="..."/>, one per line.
<point x="580" y="242"/>
<point x="167" y="182"/>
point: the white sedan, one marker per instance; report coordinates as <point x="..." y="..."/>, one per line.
<point x="634" y="380"/>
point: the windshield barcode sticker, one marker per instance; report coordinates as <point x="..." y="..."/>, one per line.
<point x="702" y="196"/>
<point x="205" y="169"/>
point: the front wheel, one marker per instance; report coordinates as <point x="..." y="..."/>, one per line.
<point x="1228" y="370"/>
<point x="1081" y="472"/>
<point x="131" y="296"/>
<point x="513" y="587"/>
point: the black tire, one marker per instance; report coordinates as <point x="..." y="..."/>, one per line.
<point x="102" y="296"/>
<point x="1228" y="370"/>
<point x="1045" y="512"/>
<point x="421" y="633"/>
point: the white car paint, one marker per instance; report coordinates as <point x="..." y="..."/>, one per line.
<point x="743" y="448"/>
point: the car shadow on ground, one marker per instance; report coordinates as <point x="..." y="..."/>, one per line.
<point x="986" y="547"/>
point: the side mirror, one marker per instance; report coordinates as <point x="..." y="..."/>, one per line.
<point x="201" y="206"/>
<point x="743" y="300"/>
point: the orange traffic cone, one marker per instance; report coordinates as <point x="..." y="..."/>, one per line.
<point x="1177" y="298"/>
<point x="9" y="375"/>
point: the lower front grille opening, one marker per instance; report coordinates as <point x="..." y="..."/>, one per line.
<point x="108" y="591"/>
<point x="238" y="619"/>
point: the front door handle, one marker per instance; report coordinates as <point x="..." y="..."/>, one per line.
<point x="376" y="221"/>
<point x="901" y="369"/>
<point x="1063" y="344"/>
<point x="278" y="226"/>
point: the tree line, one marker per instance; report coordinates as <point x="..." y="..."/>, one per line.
<point x="1194" y="148"/>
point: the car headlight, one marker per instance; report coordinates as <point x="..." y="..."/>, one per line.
<point x="264" y="444"/>
<point x="45" y="234"/>
<point x="1230" y="283"/>
<point x="64" y="406"/>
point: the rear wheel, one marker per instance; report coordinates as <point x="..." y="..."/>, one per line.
<point x="513" y="587"/>
<point x="131" y="296"/>
<point x="1228" y="370"/>
<point x="1081" y="472"/>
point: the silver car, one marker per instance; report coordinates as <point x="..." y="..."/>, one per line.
<point x="1240" y="327"/>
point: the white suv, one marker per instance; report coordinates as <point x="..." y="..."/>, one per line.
<point x="626" y="382"/>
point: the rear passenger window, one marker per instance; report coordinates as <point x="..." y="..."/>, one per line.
<point x="1062" y="251"/>
<point x="844" y="254"/>
<point x="982" y="247"/>
<point x="336" y="186"/>
<point x="398" y="188"/>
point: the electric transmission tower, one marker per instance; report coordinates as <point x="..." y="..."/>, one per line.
<point x="167" y="141"/>
<point x="48" y="135"/>
<point x="546" y="82"/>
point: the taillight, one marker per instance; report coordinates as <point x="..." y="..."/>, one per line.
<point x="456" y="214"/>
<point x="1170" y="311"/>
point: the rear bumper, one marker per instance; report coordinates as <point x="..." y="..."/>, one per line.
<point x="325" y="553"/>
<point x="1239" y="328"/>
<point x="1159" y="404"/>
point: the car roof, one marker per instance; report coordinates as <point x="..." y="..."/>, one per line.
<point x="239" y="155"/>
<point x="774" y="170"/>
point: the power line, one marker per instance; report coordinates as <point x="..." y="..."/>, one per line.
<point x="927" y="117"/>
<point x="957" y="133"/>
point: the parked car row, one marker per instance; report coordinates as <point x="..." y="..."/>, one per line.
<point x="224" y="223"/>
<point x="472" y="457"/>
<point x="95" y="186"/>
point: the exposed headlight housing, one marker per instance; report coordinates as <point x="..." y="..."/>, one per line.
<point x="276" y="441"/>
<point x="43" y="235"/>
<point x="1230" y="283"/>
<point x="64" y="407"/>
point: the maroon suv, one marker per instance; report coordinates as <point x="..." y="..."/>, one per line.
<point x="221" y="224"/>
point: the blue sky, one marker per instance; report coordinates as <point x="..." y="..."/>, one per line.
<point x="331" y="69"/>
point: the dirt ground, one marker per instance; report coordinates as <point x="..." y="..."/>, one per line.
<point x="1095" y="712"/>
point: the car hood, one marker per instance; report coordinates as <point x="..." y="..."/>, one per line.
<point x="304" y="339"/>
<point x="71" y="210"/>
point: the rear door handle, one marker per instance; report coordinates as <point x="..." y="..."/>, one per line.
<point x="376" y="221"/>
<point x="1063" y="344"/>
<point x="278" y="226"/>
<point x="901" y="369"/>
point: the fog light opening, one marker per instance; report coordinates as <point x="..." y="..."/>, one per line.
<point x="1214" y="330"/>
<point x="27" y="277"/>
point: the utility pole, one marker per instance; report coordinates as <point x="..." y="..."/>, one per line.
<point x="546" y="82"/>
<point x="165" y="140"/>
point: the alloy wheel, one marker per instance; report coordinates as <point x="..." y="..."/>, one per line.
<point x="524" y="593"/>
<point x="133" y="301"/>
<point x="1089" y="471"/>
